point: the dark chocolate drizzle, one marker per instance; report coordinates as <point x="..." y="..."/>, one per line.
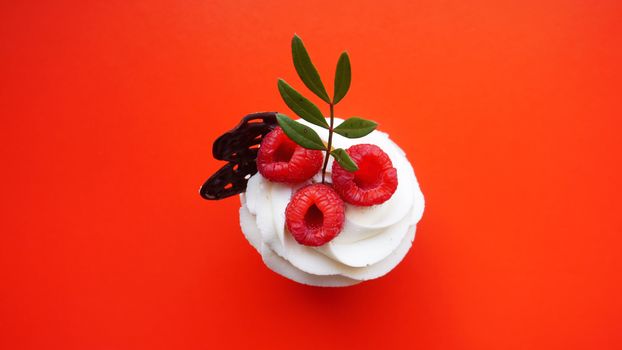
<point x="239" y="148"/>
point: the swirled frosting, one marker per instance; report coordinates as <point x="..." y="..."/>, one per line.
<point x="373" y="240"/>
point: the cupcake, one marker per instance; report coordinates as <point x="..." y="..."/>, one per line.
<point x="325" y="201"/>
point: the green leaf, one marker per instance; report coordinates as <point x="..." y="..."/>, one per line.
<point x="354" y="127"/>
<point x="306" y="70"/>
<point x="343" y="77"/>
<point x="300" y="133"/>
<point x="344" y="159"/>
<point x="300" y="105"/>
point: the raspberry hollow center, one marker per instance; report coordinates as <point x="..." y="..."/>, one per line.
<point x="284" y="152"/>
<point x="314" y="218"/>
<point x="367" y="177"/>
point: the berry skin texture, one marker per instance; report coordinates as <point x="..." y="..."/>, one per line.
<point x="282" y="160"/>
<point x="374" y="182"/>
<point x="315" y="215"/>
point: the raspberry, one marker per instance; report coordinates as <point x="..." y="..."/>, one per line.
<point x="282" y="160"/>
<point x="315" y="215"/>
<point x="374" y="182"/>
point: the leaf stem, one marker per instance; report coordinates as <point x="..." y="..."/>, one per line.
<point x="330" y="141"/>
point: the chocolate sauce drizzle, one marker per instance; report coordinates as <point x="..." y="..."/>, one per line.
<point x="239" y="148"/>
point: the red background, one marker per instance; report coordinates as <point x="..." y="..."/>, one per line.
<point x="509" y="110"/>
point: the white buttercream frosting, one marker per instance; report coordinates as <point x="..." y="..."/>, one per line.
<point x="373" y="240"/>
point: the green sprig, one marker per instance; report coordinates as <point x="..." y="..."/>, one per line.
<point x="303" y="135"/>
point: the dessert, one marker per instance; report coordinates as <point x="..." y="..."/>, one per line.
<point x="325" y="201"/>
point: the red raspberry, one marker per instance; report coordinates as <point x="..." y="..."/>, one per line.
<point x="315" y="215"/>
<point x="282" y="160"/>
<point x="374" y="182"/>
